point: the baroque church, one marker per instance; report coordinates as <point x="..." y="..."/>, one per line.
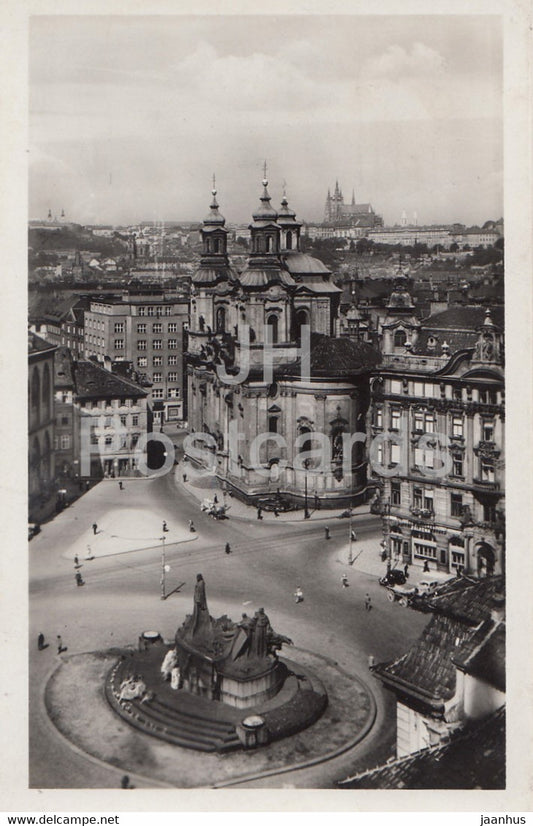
<point x="274" y="392"/>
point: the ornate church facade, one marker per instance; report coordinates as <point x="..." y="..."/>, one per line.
<point x="274" y="392"/>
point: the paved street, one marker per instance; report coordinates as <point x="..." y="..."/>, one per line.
<point x="121" y="598"/>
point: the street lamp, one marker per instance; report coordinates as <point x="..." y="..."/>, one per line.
<point x="163" y="568"/>
<point x="306" y="509"/>
<point x="350" y="555"/>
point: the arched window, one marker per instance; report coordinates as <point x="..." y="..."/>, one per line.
<point x="400" y="338"/>
<point x="273" y="322"/>
<point x="217" y="245"/>
<point x="35" y="396"/>
<point x="221" y="320"/>
<point x="307" y="442"/>
<point x="46" y="391"/>
<point x="301" y="319"/>
<point x="288" y="240"/>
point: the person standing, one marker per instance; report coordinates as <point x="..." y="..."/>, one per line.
<point x="259" y="513"/>
<point x="426" y="567"/>
<point x="406" y="570"/>
<point x="76" y="561"/>
<point x="184" y="478"/>
<point x="326" y="532"/>
<point x="60" y="648"/>
<point x="95" y="528"/>
<point x="121" y="486"/>
<point x="79" y="580"/>
<point x="353" y="536"/>
<point x="368" y="603"/>
<point x="344" y="580"/>
<point x="227" y="548"/>
<point x="165" y="529"/>
<point x="40" y="642"/>
<point x="191" y="526"/>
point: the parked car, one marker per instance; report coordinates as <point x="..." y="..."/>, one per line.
<point x="393" y="577"/>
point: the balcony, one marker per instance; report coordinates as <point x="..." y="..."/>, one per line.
<point x="486" y="484"/>
<point x="422" y="513"/>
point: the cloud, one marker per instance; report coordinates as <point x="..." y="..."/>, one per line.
<point x="397" y="61"/>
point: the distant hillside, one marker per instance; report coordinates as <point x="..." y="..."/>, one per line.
<point x="75" y="237"/>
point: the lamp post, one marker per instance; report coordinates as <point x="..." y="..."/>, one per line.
<point x="306" y="509"/>
<point x="350" y="555"/>
<point x="163" y="568"/>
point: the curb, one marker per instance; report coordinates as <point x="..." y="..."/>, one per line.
<point x="315" y="761"/>
<point x="97" y="761"/>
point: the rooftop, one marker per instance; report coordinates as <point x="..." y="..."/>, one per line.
<point x="93" y="381"/>
<point x="474" y="758"/>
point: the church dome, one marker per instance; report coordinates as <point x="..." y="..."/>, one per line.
<point x="214" y="218"/>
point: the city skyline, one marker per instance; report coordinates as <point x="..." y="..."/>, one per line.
<point x="411" y="119"/>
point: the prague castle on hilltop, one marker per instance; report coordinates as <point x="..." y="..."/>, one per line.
<point x="337" y="213"/>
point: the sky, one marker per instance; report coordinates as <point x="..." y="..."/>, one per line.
<point x="130" y="116"/>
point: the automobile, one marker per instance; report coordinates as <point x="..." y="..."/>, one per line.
<point x="393" y="577"/>
<point x="402" y="593"/>
<point x="427" y="586"/>
<point x="33" y="529"/>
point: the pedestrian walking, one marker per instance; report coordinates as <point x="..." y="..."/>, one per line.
<point x="317" y="502"/>
<point x="371" y="661"/>
<point x="344" y="580"/>
<point x="79" y="580"/>
<point x="215" y="499"/>
<point x="299" y="595"/>
<point x="191" y="526"/>
<point x="76" y="561"/>
<point x="41" y="643"/>
<point x="95" y="528"/>
<point x="227" y="548"/>
<point x="353" y="536"/>
<point x="125" y="783"/>
<point x="426" y="567"/>
<point x="326" y="532"/>
<point x="368" y="603"/>
<point x="259" y="513"/>
<point x="165" y="529"/>
<point x="121" y="485"/>
<point x="406" y="570"/>
<point x="184" y="478"/>
<point x="60" y="646"/>
<point x="276" y="512"/>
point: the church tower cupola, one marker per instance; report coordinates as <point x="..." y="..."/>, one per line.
<point x="265" y="230"/>
<point x="290" y="227"/>
<point x="214" y="263"/>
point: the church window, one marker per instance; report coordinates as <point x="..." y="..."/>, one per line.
<point x="400" y="338"/>
<point x="302" y="318"/>
<point x="272" y="424"/>
<point x="272" y="322"/>
<point x="307" y="442"/>
<point x="221" y="320"/>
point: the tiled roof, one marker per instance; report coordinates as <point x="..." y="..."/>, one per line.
<point x="463" y="318"/>
<point x="36" y="344"/>
<point x="474" y="758"/>
<point x="93" y="381"/>
<point x="63" y="368"/>
<point x="332" y="357"/>
<point x="469" y="600"/>
<point x="252" y="277"/>
<point x="461" y="623"/>
<point x="484" y="658"/>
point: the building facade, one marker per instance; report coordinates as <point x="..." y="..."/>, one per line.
<point x="113" y="416"/>
<point x="279" y="417"/>
<point x="148" y="330"/>
<point x="438" y="406"/>
<point x="41" y="469"/>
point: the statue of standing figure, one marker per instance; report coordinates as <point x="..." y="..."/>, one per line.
<point x="201" y="622"/>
